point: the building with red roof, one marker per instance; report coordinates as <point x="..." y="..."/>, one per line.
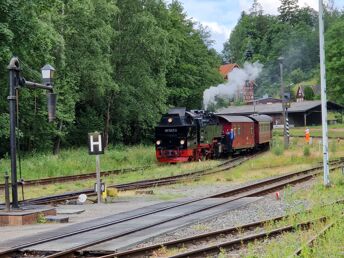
<point x="226" y="69"/>
<point x="247" y="91"/>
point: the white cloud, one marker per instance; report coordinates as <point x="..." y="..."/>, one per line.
<point x="221" y="16"/>
<point x="219" y="33"/>
<point x="217" y="28"/>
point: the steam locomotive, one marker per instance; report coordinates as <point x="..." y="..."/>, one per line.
<point x="183" y="135"/>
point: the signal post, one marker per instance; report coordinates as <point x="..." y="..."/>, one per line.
<point x="96" y="147"/>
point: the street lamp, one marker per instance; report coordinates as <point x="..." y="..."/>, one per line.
<point x="47" y="74"/>
<point x="47" y="78"/>
<point x="14" y="81"/>
<point x="284" y="107"/>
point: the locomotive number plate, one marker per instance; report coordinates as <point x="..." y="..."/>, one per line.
<point x="171" y="130"/>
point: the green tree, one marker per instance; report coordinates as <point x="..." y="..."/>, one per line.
<point x="140" y="58"/>
<point x="309" y="93"/>
<point x="334" y="61"/>
<point x="288" y="10"/>
<point x="195" y="64"/>
<point x="88" y="33"/>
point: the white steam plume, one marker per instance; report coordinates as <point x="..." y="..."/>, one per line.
<point x="236" y="81"/>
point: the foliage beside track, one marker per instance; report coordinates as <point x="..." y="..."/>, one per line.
<point x="78" y="160"/>
<point x="335" y="131"/>
<point x="119" y="65"/>
<point x="75" y="161"/>
<point x="328" y="245"/>
<point x="293" y="34"/>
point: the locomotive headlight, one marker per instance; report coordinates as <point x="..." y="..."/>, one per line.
<point x="158" y="142"/>
<point x="182" y="142"/>
<point x="170" y="120"/>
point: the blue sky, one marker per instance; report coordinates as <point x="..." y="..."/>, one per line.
<point x="221" y="16"/>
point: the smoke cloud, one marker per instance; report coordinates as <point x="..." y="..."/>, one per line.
<point x="236" y="80"/>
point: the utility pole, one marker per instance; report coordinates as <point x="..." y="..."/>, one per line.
<point x="284" y="107"/>
<point x="323" y="96"/>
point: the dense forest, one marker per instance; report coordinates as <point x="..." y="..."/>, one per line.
<point x="293" y="34"/>
<point x="121" y="64"/>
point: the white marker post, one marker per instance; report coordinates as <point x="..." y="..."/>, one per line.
<point x="323" y="96"/>
<point x="95" y="147"/>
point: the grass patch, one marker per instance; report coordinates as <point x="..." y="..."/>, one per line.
<point x="267" y="164"/>
<point x="329" y="245"/>
<point x="76" y="161"/>
<point x="334" y="131"/>
<point x="306" y="151"/>
<point x="156" y="171"/>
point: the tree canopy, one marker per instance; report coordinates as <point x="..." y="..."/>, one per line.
<point x="119" y="66"/>
<point x="293" y="34"/>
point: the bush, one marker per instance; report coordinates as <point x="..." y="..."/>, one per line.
<point x="277" y="147"/>
<point x="278" y="150"/>
<point x="306" y="151"/>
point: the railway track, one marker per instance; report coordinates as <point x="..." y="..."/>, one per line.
<point x="310" y="242"/>
<point x="168" y="181"/>
<point x="316" y="137"/>
<point x="254" y="189"/>
<point x="144" y="183"/>
<point x="214" y="249"/>
<point x="71" y="178"/>
<point x="218" y="235"/>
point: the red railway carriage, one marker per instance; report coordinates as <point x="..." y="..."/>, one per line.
<point x="262" y="129"/>
<point x="243" y="130"/>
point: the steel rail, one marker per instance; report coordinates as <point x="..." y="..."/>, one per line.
<point x="316" y="137"/>
<point x="247" y="239"/>
<point x="70" y="178"/>
<point x="148" y="250"/>
<point x="311" y="241"/>
<point x="146" y="183"/>
<point x="276" y="179"/>
<point x="174" y="243"/>
<point x="143" y="183"/>
<point x="254" y="192"/>
<point x="28" y="244"/>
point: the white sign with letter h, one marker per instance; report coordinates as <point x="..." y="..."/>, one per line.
<point x="95" y="143"/>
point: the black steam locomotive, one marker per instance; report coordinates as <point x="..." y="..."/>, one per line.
<point x="196" y="135"/>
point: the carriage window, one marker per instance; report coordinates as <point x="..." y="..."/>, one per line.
<point x="238" y="130"/>
<point x="251" y="130"/>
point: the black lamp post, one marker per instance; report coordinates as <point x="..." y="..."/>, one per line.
<point x="14" y="82"/>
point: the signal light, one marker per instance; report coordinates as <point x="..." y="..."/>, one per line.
<point x="158" y="142"/>
<point x="182" y="142"/>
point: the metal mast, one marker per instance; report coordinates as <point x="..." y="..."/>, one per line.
<point x="323" y="96"/>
